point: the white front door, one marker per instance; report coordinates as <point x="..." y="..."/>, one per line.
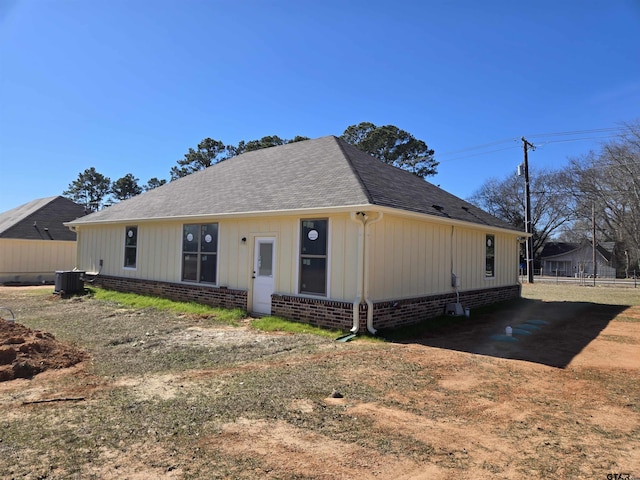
<point x="263" y="270"/>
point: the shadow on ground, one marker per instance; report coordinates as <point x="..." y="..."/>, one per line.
<point x="549" y="333"/>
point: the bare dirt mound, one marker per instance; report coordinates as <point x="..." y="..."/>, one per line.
<point x="25" y="352"/>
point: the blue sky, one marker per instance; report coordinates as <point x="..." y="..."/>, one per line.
<point x="127" y="86"/>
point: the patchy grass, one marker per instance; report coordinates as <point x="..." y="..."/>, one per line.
<point x="604" y="295"/>
<point x="173" y="394"/>
<point x="279" y="324"/>
<point x="132" y="300"/>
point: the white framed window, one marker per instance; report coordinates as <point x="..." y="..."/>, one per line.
<point x="130" y="246"/>
<point x="200" y="253"/>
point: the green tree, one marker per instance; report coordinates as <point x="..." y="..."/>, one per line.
<point x="209" y="153"/>
<point x="154" y="183"/>
<point x="298" y="138"/>
<point x="125" y="187"/>
<point x="89" y="189"/>
<point x="264" y="142"/>
<point x="388" y="143"/>
<point x="252" y="145"/>
<point x="393" y="146"/>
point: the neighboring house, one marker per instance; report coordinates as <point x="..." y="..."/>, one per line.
<point x="34" y="243"/>
<point x="317" y="231"/>
<point x="576" y="259"/>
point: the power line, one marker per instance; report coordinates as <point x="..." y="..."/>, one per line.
<point x="614" y="132"/>
<point x="479" y="154"/>
<point x="542" y="143"/>
<point x="485" y="145"/>
<point x="578" y="132"/>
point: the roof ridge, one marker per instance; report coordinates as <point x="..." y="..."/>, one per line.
<point x="366" y="190"/>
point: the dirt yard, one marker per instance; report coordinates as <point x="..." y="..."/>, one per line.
<point x="158" y="395"/>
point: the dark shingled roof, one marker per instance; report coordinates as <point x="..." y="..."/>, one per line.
<point x="41" y="219"/>
<point x="551" y="249"/>
<point x="322" y="173"/>
<point x="554" y="249"/>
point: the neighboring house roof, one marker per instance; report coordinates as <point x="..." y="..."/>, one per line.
<point x="607" y="249"/>
<point x="557" y="249"/>
<point x="605" y="252"/>
<point x="41" y="219"/>
<point x="323" y="173"/>
<point x="552" y="249"/>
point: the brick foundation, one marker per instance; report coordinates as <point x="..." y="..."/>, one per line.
<point x="213" y="296"/>
<point x="389" y="315"/>
<point x="316" y="311"/>
<point x="386" y="315"/>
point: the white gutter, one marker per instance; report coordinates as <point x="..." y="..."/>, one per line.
<point x="367" y="223"/>
<point x="360" y="287"/>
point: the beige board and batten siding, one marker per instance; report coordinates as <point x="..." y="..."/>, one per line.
<point x="413" y="257"/>
<point x="34" y="260"/>
<point x="156" y="257"/>
<point x="408" y="257"/>
<point x="159" y="251"/>
<point x="235" y="265"/>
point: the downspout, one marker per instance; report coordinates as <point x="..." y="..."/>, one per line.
<point x="454" y="277"/>
<point x="359" y="218"/>
<point x="76" y="230"/>
<point x="365" y="257"/>
<point x="451" y="243"/>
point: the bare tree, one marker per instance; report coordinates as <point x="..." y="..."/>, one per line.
<point x="551" y="207"/>
<point x="608" y="182"/>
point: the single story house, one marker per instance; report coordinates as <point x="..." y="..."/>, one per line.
<point x="317" y="231"/>
<point x="576" y="259"/>
<point x="34" y="243"/>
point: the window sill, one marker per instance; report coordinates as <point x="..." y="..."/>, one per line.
<point x="312" y="295"/>
<point x="199" y="284"/>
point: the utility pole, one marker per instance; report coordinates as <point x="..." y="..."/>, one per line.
<point x="527" y="218"/>
<point x="593" y="241"/>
